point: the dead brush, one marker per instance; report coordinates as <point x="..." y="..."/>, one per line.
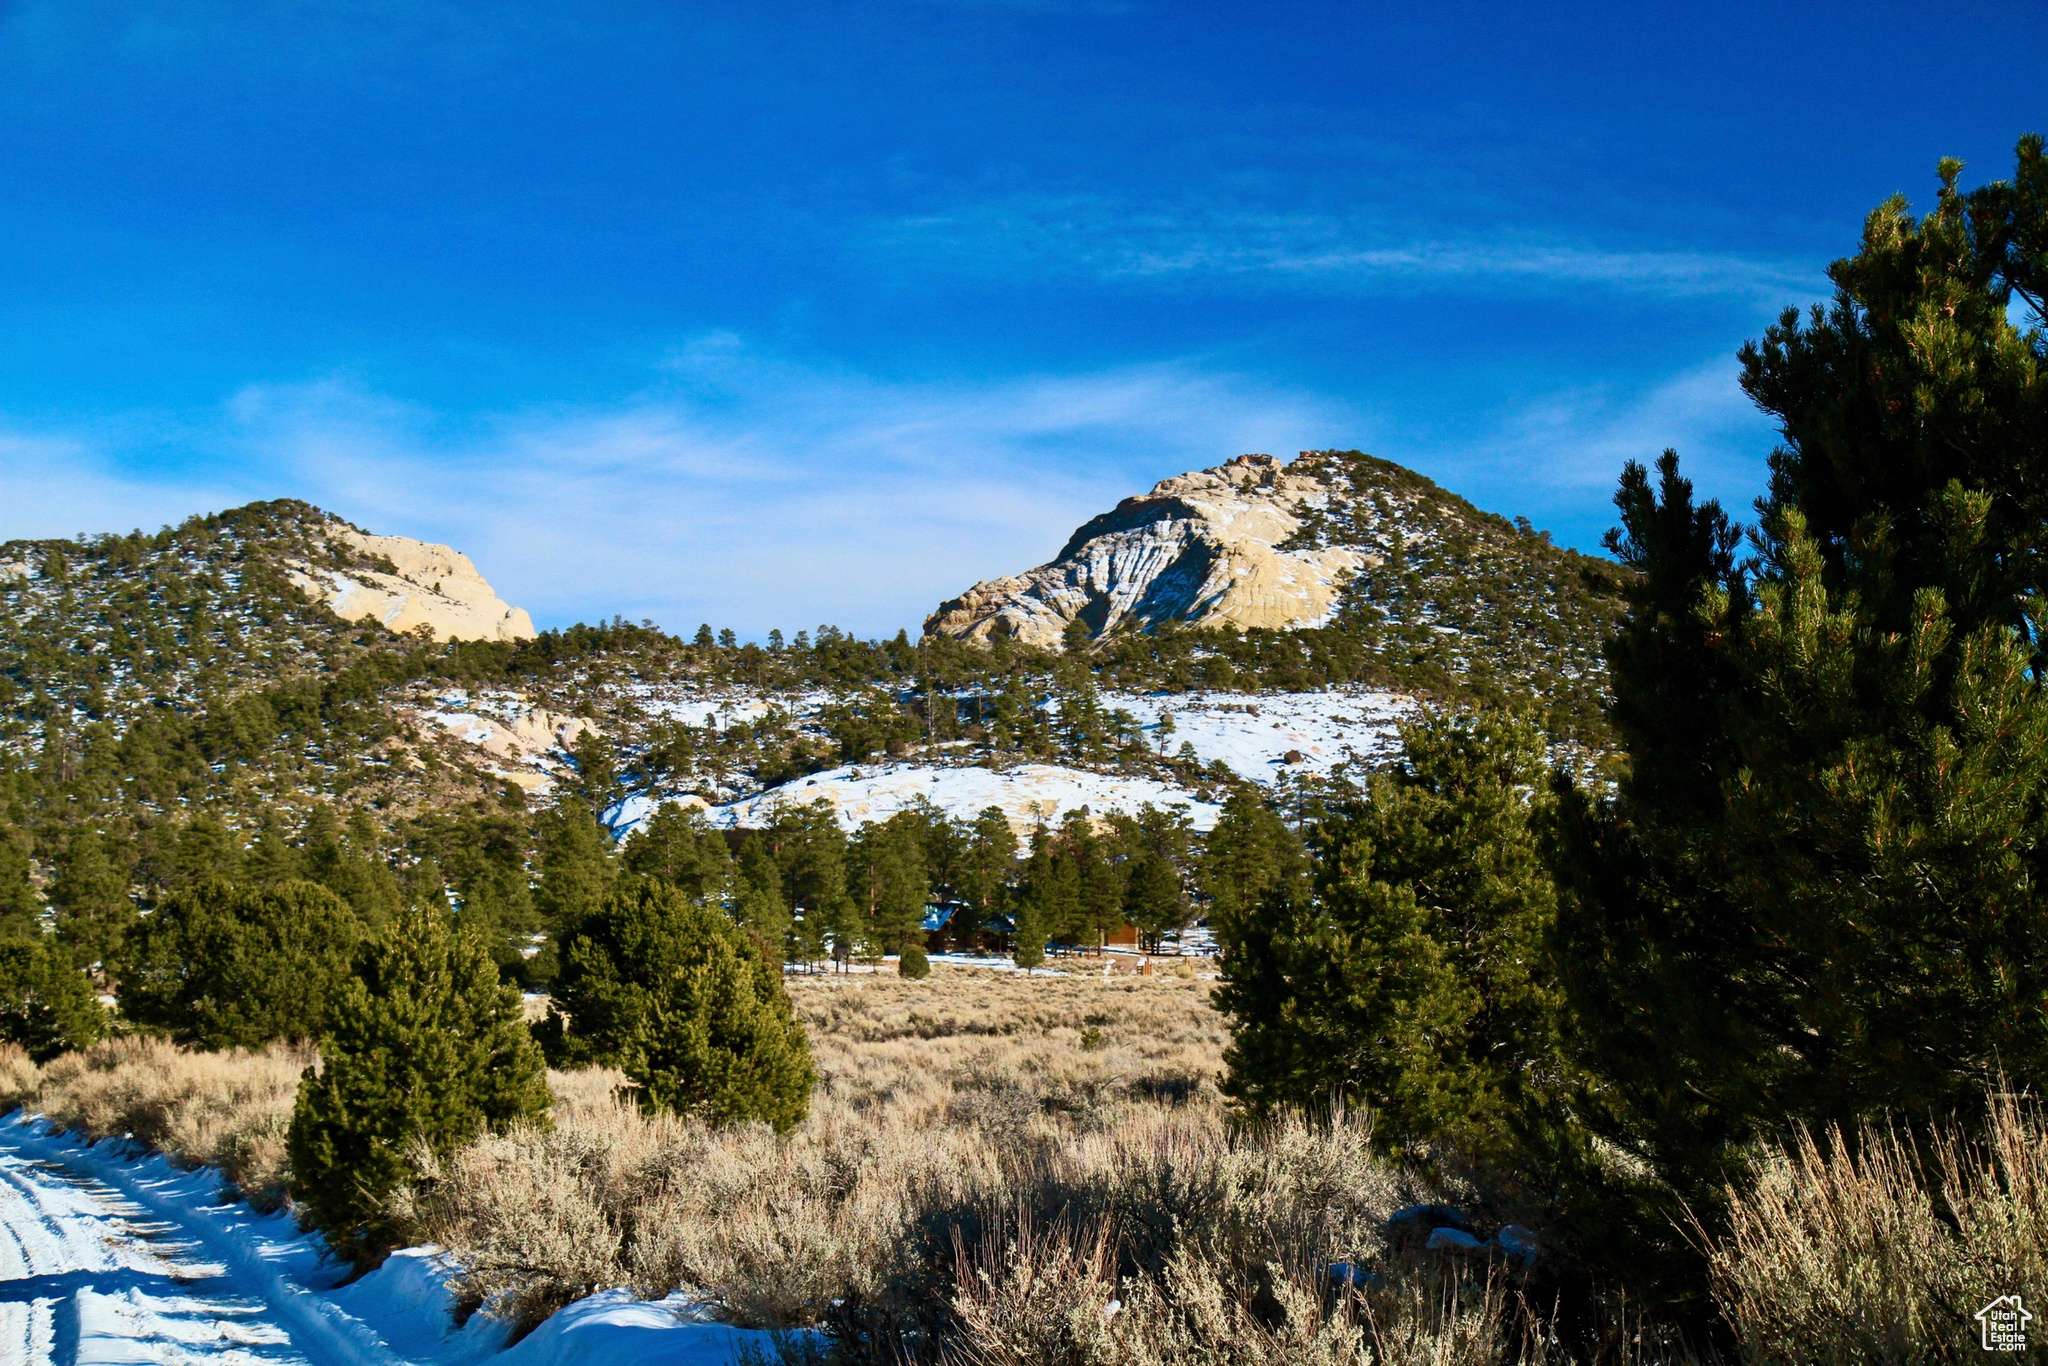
<point x="229" y="1110"/>
<point x="1880" y="1249"/>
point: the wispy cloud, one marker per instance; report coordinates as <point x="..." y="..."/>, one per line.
<point x="1557" y="458"/>
<point x="741" y="489"/>
<point x="56" y="484"/>
<point x="1113" y="239"/>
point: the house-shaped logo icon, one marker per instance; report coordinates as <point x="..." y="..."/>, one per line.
<point x="2005" y="1322"/>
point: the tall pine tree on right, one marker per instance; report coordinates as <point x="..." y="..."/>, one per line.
<point x="1819" y="892"/>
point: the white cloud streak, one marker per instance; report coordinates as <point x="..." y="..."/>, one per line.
<point x="1112" y="240"/>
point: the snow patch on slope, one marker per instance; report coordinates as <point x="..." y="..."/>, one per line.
<point x="858" y="794"/>
<point x="1252" y="734"/>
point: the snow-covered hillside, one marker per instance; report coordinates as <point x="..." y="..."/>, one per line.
<point x="1029" y="794"/>
<point x="1253" y="734"/>
<point x="1257" y="736"/>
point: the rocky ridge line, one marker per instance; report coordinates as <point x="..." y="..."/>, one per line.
<point x="1203" y="548"/>
<point x="425" y="585"/>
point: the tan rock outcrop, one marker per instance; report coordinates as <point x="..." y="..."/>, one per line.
<point x="1200" y="548"/>
<point x="432" y="586"/>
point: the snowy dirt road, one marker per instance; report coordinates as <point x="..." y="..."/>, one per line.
<point x="111" y="1255"/>
<point x="88" y="1275"/>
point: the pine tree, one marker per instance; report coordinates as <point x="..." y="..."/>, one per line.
<point x="348" y="865"/>
<point x="687" y="1005"/>
<point x="272" y="856"/>
<point x="20" y="911"/>
<point x="47" y="1003"/>
<point x="574" y="863"/>
<point x="1248" y="855"/>
<point x="1027" y="939"/>
<point x="426" y="1050"/>
<point x="677" y="845"/>
<point x="90" y="896"/>
<point x="1412" y="975"/>
<point x="990" y="863"/>
<point x="809" y="850"/>
<point x="1816" y="894"/>
<point x="1157" y="850"/>
<point x="1099" y="876"/>
<point x="1050" y="897"/>
<point x="202" y="849"/>
<point x="221" y="966"/>
<point x="887" y="863"/>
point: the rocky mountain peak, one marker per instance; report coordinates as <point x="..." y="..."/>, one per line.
<point x="407" y="584"/>
<point x="1226" y="545"/>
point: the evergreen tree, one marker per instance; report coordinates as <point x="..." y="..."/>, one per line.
<point x="349" y="866"/>
<point x="426" y="1050"/>
<point x="688" y="1005"/>
<point x="574" y="863"/>
<point x="1158" y="849"/>
<point x="914" y="962"/>
<point x="989" y="865"/>
<point x="203" y="848"/>
<point x="20" y="911"/>
<point x="1027" y="938"/>
<point x="809" y="850"/>
<point x="1050" y="898"/>
<point x="677" y="845"/>
<point x="1099" y="875"/>
<point x="760" y="904"/>
<point x="597" y="771"/>
<point x="273" y="857"/>
<point x="887" y="861"/>
<point x="1817" y="891"/>
<point x="222" y="966"/>
<point x="89" y="894"/>
<point x="1248" y="855"/>
<point x="482" y="854"/>
<point x="47" y="1004"/>
<point x="1412" y="976"/>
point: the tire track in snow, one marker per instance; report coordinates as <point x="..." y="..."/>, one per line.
<point x="90" y="1276"/>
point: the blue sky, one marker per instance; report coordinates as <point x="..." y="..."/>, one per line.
<point x="776" y="315"/>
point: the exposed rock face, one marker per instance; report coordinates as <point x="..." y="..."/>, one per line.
<point x="428" y="585"/>
<point x="1201" y="548"/>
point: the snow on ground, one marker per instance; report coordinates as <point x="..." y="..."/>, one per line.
<point x="720" y="711"/>
<point x="106" y="1257"/>
<point x="1253" y="733"/>
<point x="1028" y="794"/>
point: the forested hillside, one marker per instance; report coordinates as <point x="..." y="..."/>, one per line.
<point x="183" y="705"/>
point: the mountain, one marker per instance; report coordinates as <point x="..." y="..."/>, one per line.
<point x="101" y="631"/>
<point x="1436" y="593"/>
<point x="1218" y="546"/>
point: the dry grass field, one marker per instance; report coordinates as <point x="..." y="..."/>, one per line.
<point x="1001" y="1171"/>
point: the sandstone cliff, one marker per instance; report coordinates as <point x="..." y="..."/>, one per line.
<point x="1220" y="546"/>
<point x="412" y="584"/>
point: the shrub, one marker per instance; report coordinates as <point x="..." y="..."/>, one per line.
<point x="688" y="1005"/>
<point x="1878" y="1249"/>
<point x="228" y="1110"/>
<point x="46" y="1003"/>
<point x="226" y="966"/>
<point x="426" y="1050"/>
